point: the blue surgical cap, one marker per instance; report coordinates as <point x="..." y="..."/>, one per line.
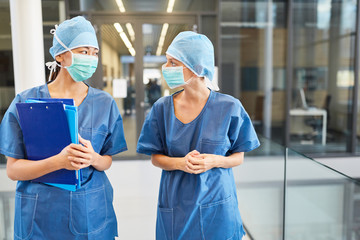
<point x="195" y="51"/>
<point x="74" y="33"/>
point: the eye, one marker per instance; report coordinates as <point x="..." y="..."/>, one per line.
<point x="84" y="52"/>
<point x="96" y="53"/>
<point x="173" y="64"/>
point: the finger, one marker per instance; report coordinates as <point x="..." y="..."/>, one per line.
<point x="188" y="170"/>
<point x="79" y="160"/>
<point x="76" y="153"/>
<point x="191" y="166"/>
<point x="77" y="166"/>
<point x="194" y="152"/>
<point x="80" y="148"/>
<point x="195" y="161"/>
<point x="199" y="171"/>
<point x="84" y="141"/>
<point x="196" y="167"/>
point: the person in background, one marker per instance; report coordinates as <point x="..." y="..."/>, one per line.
<point x="196" y="136"/>
<point x="46" y="212"/>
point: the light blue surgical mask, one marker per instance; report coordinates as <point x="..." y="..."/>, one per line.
<point x="174" y="76"/>
<point x="82" y="67"/>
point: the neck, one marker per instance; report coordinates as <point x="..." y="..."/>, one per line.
<point x="65" y="86"/>
<point x="196" y="91"/>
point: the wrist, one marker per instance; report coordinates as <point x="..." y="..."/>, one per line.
<point x="96" y="158"/>
<point x="56" y="162"/>
<point x="180" y="163"/>
<point x="219" y="161"/>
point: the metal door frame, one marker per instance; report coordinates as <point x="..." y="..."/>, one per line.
<point x="137" y="20"/>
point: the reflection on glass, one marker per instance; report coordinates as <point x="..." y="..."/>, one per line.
<point x="260" y="183"/>
<point x="358" y="125"/>
<point x="156" y="40"/>
<point x="142" y="5"/>
<point x="323" y="75"/>
<point x="119" y="77"/>
<point x="253" y="36"/>
<point x="320" y="203"/>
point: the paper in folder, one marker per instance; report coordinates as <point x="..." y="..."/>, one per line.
<point x="48" y="126"/>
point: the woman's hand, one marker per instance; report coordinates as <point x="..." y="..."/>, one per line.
<point x="82" y="156"/>
<point x="198" y="163"/>
<point x="185" y="165"/>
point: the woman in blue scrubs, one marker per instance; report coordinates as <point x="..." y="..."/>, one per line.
<point x="46" y="212"/>
<point x="196" y="136"/>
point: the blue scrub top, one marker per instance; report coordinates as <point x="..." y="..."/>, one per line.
<point x="198" y="206"/>
<point x="45" y="212"/>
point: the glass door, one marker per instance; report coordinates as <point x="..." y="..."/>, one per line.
<point x="156" y="40"/>
<point x="132" y="52"/>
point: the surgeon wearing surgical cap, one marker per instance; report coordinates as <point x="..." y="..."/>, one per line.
<point x="46" y="212"/>
<point x="196" y="136"/>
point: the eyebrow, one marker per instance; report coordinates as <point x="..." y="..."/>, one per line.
<point x="173" y="59"/>
<point x="88" y="48"/>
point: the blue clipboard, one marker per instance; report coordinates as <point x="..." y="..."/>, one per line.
<point x="48" y="126"/>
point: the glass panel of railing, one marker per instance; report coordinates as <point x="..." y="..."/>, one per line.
<point x="321" y="203"/>
<point x="260" y="183"/>
<point x="7" y="205"/>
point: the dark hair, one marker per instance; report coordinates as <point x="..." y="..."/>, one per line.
<point x="54" y="74"/>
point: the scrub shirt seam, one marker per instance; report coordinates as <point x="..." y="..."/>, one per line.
<point x="6" y="153"/>
<point x="106" y="210"/>
<point x="117" y="151"/>
<point x="32" y="219"/>
<point x="151" y="151"/>
<point x="247" y="149"/>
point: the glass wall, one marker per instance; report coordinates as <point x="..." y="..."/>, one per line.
<point x="253" y="37"/>
<point x="141" y="5"/>
<point x="358" y="124"/>
<point x="323" y="75"/>
<point x="250" y="40"/>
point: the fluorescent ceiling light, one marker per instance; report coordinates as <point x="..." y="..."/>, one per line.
<point x="132" y="51"/>
<point x="170" y="6"/>
<point x="125" y="38"/>
<point x="128" y="25"/>
<point x="162" y="39"/>
<point x="120" y="5"/>
<point x="118" y="27"/>
<point x="130" y="31"/>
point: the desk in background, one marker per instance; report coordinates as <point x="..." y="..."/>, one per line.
<point x="313" y="112"/>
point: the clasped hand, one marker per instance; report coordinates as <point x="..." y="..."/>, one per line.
<point x="78" y="156"/>
<point x="197" y="163"/>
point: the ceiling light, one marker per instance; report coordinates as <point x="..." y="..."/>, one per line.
<point x="170" y="6"/>
<point x="130" y="31"/>
<point x="124" y="38"/>
<point x="120" y="5"/>
<point x="162" y="39"/>
<point x="118" y="27"/>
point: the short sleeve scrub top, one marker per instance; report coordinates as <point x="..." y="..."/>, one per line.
<point x="45" y="212"/>
<point x="198" y="206"/>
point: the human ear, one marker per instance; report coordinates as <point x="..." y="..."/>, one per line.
<point x="59" y="58"/>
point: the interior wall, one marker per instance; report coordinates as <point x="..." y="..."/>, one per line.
<point x="111" y="69"/>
